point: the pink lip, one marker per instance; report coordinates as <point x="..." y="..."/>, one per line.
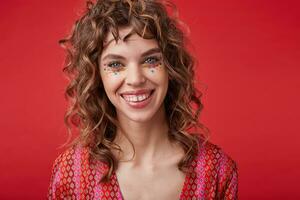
<point x="136" y="92"/>
<point x="141" y="104"/>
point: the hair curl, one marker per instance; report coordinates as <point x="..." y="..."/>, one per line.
<point x="90" y="109"/>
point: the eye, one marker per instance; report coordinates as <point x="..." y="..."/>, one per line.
<point x="115" y="64"/>
<point x="151" y="60"/>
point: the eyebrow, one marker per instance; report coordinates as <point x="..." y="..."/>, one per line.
<point x="124" y="39"/>
<point x="146" y="53"/>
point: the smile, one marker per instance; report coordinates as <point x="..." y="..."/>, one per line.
<point x="137" y="99"/>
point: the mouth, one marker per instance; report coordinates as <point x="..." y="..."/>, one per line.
<point x="137" y="96"/>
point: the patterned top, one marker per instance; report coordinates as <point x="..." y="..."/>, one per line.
<point x="213" y="176"/>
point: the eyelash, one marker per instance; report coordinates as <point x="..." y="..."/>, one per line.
<point x="115" y="65"/>
<point x="111" y="64"/>
<point x="154" y="60"/>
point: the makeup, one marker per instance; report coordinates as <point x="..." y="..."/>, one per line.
<point x="153" y="63"/>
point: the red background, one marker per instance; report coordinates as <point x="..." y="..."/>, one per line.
<point x="248" y="53"/>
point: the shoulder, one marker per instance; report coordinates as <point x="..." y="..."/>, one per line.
<point x="215" y="156"/>
<point x="216" y="169"/>
<point x="67" y="172"/>
<point x="71" y="155"/>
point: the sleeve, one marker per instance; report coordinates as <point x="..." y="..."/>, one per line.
<point x="227" y="176"/>
<point x="62" y="181"/>
<point x="231" y="184"/>
<point x="55" y="185"/>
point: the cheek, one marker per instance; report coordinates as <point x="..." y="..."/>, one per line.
<point x="111" y="82"/>
<point x="153" y="68"/>
<point x="158" y="75"/>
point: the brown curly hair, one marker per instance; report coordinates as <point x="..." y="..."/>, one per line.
<point x="90" y="110"/>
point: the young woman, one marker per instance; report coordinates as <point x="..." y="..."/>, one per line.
<point x="135" y="106"/>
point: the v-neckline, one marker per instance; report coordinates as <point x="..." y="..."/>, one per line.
<point x="185" y="183"/>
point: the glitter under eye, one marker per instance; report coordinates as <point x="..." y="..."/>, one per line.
<point x="114" y="67"/>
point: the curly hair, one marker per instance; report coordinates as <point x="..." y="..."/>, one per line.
<point x="90" y="110"/>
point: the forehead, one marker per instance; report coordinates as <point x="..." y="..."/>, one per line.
<point x="124" y="33"/>
<point x="128" y="41"/>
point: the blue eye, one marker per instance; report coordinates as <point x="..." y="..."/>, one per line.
<point x="151" y="60"/>
<point x="114" y="64"/>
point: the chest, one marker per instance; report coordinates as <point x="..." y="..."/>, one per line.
<point x="150" y="184"/>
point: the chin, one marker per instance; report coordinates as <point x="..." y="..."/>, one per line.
<point x="141" y="116"/>
<point x="138" y="117"/>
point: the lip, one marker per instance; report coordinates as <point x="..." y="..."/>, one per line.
<point x="137" y="92"/>
<point x="140" y="104"/>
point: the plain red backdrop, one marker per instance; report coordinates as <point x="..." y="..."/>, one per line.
<point x="248" y="53"/>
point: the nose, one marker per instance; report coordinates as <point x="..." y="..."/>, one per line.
<point x="135" y="76"/>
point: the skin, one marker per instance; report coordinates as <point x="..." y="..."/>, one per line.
<point x="131" y="64"/>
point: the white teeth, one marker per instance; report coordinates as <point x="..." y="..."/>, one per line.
<point x="141" y="97"/>
<point x="136" y="98"/>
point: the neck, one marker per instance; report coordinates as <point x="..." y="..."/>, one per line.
<point x="150" y="139"/>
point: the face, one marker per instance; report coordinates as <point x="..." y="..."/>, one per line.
<point x="134" y="76"/>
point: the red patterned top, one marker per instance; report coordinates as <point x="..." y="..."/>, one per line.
<point x="213" y="176"/>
